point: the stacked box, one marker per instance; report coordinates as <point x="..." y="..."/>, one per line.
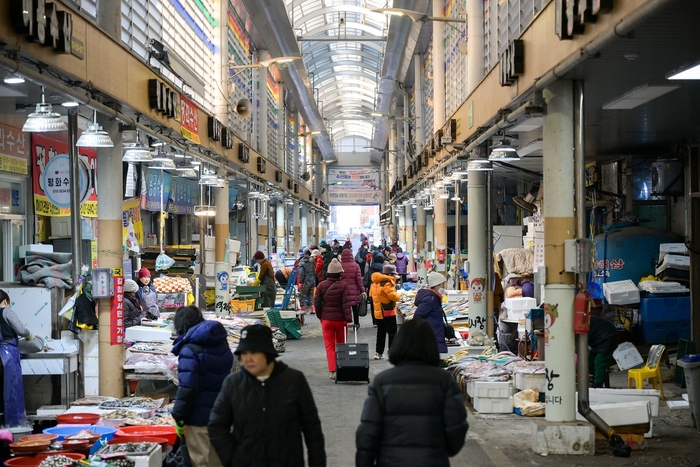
<point x="519" y="307"/>
<point x="491" y="396"/>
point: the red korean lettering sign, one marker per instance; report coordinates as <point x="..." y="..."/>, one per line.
<point x="189" y="119"/>
<point x="116" y="309"/>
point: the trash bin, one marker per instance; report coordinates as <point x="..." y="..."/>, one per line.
<point x="691" y="367"/>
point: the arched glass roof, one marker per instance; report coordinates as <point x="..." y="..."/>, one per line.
<point x="344" y="67"/>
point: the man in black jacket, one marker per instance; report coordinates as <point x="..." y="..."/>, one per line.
<point x="602" y="341"/>
<point x="263" y="409"/>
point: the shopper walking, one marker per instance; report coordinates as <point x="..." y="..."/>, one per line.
<point x="147" y="295"/>
<point x="133" y="311"/>
<point x="333" y="309"/>
<point x="352" y="277"/>
<point x="318" y="254"/>
<point x="384" y="297"/>
<point x="11" y="384"/>
<point x="414" y="413"/>
<point x="266" y="278"/>
<point x="361" y="257"/>
<point x="429" y="307"/>
<point x="401" y="264"/>
<point x="204" y="361"/>
<point x="263" y="409"/>
<point x="307" y="282"/>
<point x="375" y="267"/>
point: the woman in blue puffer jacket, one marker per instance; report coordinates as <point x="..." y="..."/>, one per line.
<point x="429" y="307"/>
<point x="204" y="361"/>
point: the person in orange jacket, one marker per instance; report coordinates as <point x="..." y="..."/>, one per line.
<point x="316" y="255"/>
<point x="385" y="297"/>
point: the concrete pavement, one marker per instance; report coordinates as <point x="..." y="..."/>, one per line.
<point x="493" y="440"/>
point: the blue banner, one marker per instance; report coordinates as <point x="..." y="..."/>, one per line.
<point x="179" y="194"/>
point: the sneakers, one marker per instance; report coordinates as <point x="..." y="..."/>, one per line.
<point x="378" y="356"/>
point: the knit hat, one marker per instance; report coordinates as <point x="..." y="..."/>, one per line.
<point x="392" y="257"/>
<point x="315" y="253"/>
<point x="435" y="278"/>
<point x="389" y="269"/>
<point x="130" y="286"/>
<point x="259" y="255"/>
<point x="256" y="338"/>
<point x="143" y="272"/>
<point x="378" y="259"/>
<point x="334" y="267"/>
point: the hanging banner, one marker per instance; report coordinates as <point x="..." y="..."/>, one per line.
<point x="232" y="194"/>
<point x="189" y="119"/>
<point x="13" y="150"/>
<point x="51" y="179"/>
<point x="180" y="195"/>
<point x="116" y="312"/>
<point x="353" y="185"/>
<point x="131" y="214"/>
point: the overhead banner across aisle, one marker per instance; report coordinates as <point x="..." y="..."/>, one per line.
<point x="353" y="186"/>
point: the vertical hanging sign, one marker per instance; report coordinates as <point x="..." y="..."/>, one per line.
<point x="116" y="314"/>
<point x="189" y="119"/>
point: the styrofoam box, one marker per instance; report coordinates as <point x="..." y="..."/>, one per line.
<point x="600" y="396"/>
<point x="622" y="413"/>
<point x="530" y="381"/>
<point x="209" y="242"/>
<point x="457" y="295"/>
<point x="493" y="405"/>
<point x="23" y="249"/>
<point x="471" y="388"/>
<point x="209" y="270"/>
<point x="147" y="334"/>
<point x="627" y="356"/>
<point x="677" y="260"/>
<point x="286" y="314"/>
<point x="152" y="458"/>
<point x="492" y="389"/>
<point x="209" y="256"/>
<point x="234" y="246"/>
<point x="520" y="303"/>
<point x="621" y="292"/>
<point x="678" y="248"/>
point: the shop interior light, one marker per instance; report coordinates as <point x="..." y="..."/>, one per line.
<point x="480" y="164"/>
<point x="456" y="198"/>
<point x="692" y="72"/>
<point x="205" y="211"/>
<point x="187" y="172"/>
<point x="13" y="78"/>
<point x="70" y="104"/>
<point x="136" y="151"/>
<point x="94" y="136"/>
<point x="44" y="119"/>
<point x="504" y="152"/>
<point x="162" y="162"/>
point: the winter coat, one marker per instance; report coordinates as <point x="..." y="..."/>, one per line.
<point x="307" y="271"/>
<point x="204" y="361"/>
<point x="133" y="312"/>
<point x="414" y="415"/>
<point x="384" y="295"/>
<point x="401" y="263"/>
<point x="319" y="269"/>
<point x="361" y="256"/>
<point x="352" y="276"/>
<point x="602" y="336"/>
<point x="331" y="301"/>
<point x="374" y="267"/>
<point x="148" y="297"/>
<point x="260" y="423"/>
<point x="429" y="307"/>
<point x="327" y="258"/>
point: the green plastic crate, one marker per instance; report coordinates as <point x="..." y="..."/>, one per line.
<point x="249" y="292"/>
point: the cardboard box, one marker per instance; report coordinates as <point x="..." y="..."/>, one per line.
<point x="621" y="292"/>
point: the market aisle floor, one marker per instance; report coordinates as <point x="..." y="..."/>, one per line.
<point x="493" y="440"/>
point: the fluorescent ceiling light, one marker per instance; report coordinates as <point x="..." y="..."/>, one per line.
<point x="479" y="164"/>
<point x="638" y="96"/>
<point x="693" y="72"/>
<point x="13" y="78"/>
<point x="71" y="103"/>
<point x="205" y="211"/>
<point x="94" y="136"/>
<point x="163" y="163"/>
<point x="44" y="119"/>
<point x="504" y="152"/>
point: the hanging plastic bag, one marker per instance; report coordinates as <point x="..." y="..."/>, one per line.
<point x="164" y="262"/>
<point x="131" y="242"/>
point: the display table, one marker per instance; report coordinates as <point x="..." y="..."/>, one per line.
<point x="62" y="359"/>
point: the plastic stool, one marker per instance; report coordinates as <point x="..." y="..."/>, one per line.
<point x="650" y="371"/>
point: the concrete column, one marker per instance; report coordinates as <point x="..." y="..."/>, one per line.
<point x="419" y="250"/>
<point x="222" y="267"/>
<point x="440" y="231"/>
<point x="475" y="45"/>
<point x="295" y="149"/>
<point x="252" y="227"/>
<point x="323" y="226"/>
<point x="296" y="222"/>
<point x="558" y="209"/>
<point x="402" y="225"/>
<point x="418" y="96"/>
<point x="430" y="228"/>
<point x="109" y="18"/>
<point x="477" y="245"/>
<point x="109" y="253"/>
<point x="439" y="71"/>
<point x="281" y="126"/>
<point x="409" y="248"/>
<point x="260" y="94"/>
<point x="304" y="225"/>
<point x="279" y="211"/>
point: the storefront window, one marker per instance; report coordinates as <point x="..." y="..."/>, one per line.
<point x="12" y="198"/>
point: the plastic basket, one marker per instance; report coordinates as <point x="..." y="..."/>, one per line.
<point x="238" y="306"/>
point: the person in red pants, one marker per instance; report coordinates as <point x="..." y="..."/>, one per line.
<point x="334" y="311"/>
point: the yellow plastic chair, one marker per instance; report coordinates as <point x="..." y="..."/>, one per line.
<point x="650" y="371"/>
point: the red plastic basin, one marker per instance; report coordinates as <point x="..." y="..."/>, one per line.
<point x="78" y="418"/>
<point x="149" y="431"/>
<point x="34" y="461"/>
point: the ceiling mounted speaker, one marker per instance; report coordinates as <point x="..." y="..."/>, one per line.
<point x="306" y="176"/>
<point x="244" y="108"/>
<point x="528" y="201"/>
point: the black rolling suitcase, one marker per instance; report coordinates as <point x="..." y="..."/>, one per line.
<point x="352" y="361"/>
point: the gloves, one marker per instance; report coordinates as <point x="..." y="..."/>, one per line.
<point x="31" y="336"/>
<point x="180" y="428"/>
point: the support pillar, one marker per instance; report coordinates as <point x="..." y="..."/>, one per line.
<point x="439" y="70"/>
<point x="279" y="211"/>
<point x="222" y="267"/>
<point x="430" y="230"/>
<point x="440" y="231"/>
<point x="475" y="45"/>
<point x="419" y="250"/>
<point x="304" y="225"/>
<point x="401" y="234"/>
<point x="419" y="130"/>
<point x="478" y="249"/>
<point x="409" y="248"/>
<point x="260" y="94"/>
<point x="296" y="222"/>
<point x="558" y="209"/>
<point x="109" y="254"/>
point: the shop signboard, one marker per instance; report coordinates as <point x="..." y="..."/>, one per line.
<point x="353" y="186"/>
<point x="52" y="181"/>
<point x="116" y="312"/>
<point x="13" y="150"/>
<point x="131" y="214"/>
<point x="179" y="195"/>
<point x="189" y="119"/>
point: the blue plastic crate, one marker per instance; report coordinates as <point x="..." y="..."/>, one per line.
<point x="664" y="318"/>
